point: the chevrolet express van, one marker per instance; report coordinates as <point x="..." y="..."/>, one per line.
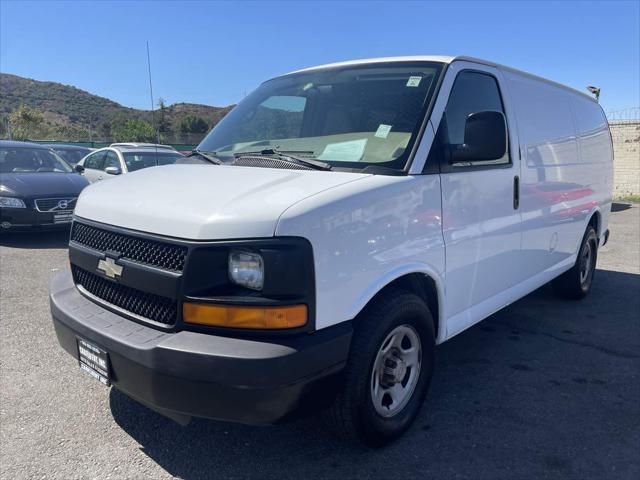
<point x="328" y="233"/>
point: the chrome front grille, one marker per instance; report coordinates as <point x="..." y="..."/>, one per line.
<point x="55" y="204"/>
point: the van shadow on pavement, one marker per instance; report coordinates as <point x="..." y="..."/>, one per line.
<point x="620" y="207"/>
<point x="544" y="388"/>
<point x="38" y="240"/>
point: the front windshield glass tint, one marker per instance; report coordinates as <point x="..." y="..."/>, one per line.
<point x="30" y="160"/>
<point x="139" y="160"/>
<point x="352" y="116"/>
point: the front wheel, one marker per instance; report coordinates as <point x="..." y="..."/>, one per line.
<point x="576" y="283"/>
<point x="389" y="369"/>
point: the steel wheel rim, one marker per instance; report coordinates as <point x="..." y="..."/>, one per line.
<point x="396" y="370"/>
<point x="586" y="259"/>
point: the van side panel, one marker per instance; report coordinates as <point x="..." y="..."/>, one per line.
<point x="367" y="234"/>
<point x="566" y="170"/>
<point x="594" y="140"/>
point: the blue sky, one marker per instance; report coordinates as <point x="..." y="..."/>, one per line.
<point x="215" y="52"/>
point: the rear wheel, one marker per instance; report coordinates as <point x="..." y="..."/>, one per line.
<point x="389" y="369"/>
<point x="576" y="283"/>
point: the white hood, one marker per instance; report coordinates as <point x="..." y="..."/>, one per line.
<point x="204" y="202"/>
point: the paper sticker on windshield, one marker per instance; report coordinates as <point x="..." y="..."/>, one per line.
<point x="413" y="81"/>
<point x="383" y="131"/>
<point x="344" y="151"/>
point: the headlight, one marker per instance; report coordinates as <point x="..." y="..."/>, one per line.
<point x="11" y="202"/>
<point x="246" y="269"/>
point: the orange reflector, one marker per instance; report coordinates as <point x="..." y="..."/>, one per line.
<point x="233" y="316"/>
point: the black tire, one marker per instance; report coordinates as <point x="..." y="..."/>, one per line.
<point x="575" y="284"/>
<point x="353" y="414"/>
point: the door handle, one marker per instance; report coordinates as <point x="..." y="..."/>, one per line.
<point x="516" y="192"/>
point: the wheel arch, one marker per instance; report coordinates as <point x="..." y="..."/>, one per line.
<point x="421" y="281"/>
<point x="595" y="220"/>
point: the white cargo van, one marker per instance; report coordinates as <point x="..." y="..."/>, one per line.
<point x="338" y="224"/>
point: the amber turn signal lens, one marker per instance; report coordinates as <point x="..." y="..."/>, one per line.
<point x="233" y="316"/>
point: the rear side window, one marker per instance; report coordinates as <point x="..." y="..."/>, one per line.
<point x="472" y="92"/>
<point x="95" y="160"/>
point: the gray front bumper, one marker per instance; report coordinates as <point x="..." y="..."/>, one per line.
<point x="256" y="381"/>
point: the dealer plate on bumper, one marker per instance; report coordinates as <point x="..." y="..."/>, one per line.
<point x="63" y="216"/>
<point x="94" y="361"/>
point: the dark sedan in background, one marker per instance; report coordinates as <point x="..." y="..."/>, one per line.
<point x="72" y="154"/>
<point x="38" y="189"/>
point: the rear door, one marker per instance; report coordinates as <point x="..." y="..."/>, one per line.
<point x="481" y="220"/>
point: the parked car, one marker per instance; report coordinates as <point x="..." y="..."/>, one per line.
<point x="72" y="154"/>
<point x="38" y="189"/>
<point x="350" y="218"/>
<point x="119" y="158"/>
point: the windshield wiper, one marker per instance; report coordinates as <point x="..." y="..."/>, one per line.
<point x="209" y="156"/>
<point x="287" y="157"/>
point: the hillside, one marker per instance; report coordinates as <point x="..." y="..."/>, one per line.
<point x="65" y="105"/>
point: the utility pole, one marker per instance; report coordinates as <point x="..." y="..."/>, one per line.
<point x="91" y="129"/>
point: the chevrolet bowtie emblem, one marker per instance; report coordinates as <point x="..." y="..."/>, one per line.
<point x="109" y="267"/>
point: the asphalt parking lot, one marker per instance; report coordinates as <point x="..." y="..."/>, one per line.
<point x="544" y="389"/>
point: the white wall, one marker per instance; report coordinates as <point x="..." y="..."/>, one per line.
<point x="626" y="158"/>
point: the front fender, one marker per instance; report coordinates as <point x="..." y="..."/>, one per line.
<point x="364" y="235"/>
<point x="398" y="272"/>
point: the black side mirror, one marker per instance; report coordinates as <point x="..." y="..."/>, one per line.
<point x="485" y="138"/>
<point x="112" y="171"/>
<point x="78" y="168"/>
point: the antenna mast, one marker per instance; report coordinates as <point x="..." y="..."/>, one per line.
<point x="153" y="120"/>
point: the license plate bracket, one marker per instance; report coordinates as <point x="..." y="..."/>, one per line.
<point x="63" y="216"/>
<point x="94" y="361"/>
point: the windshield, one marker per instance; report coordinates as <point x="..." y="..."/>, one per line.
<point x="353" y="116"/>
<point x="139" y="160"/>
<point x="29" y="160"/>
<point x="72" y="155"/>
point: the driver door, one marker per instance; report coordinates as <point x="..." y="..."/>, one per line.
<point x="93" y="165"/>
<point x="481" y="218"/>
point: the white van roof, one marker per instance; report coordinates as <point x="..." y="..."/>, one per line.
<point x="442" y="59"/>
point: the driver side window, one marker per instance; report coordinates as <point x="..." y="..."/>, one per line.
<point x="472" y="92"/>
<point x="95" y="161"/>
<point x="277" y="117"/>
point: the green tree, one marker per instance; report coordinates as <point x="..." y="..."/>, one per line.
<point x="133" y="130"/>
<point x="27" y="123"/>
<point x="104" y="130"/>
<point x="68" y="133"/>
<point x="163" y="124"/>
<point x="193" y="124"/>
